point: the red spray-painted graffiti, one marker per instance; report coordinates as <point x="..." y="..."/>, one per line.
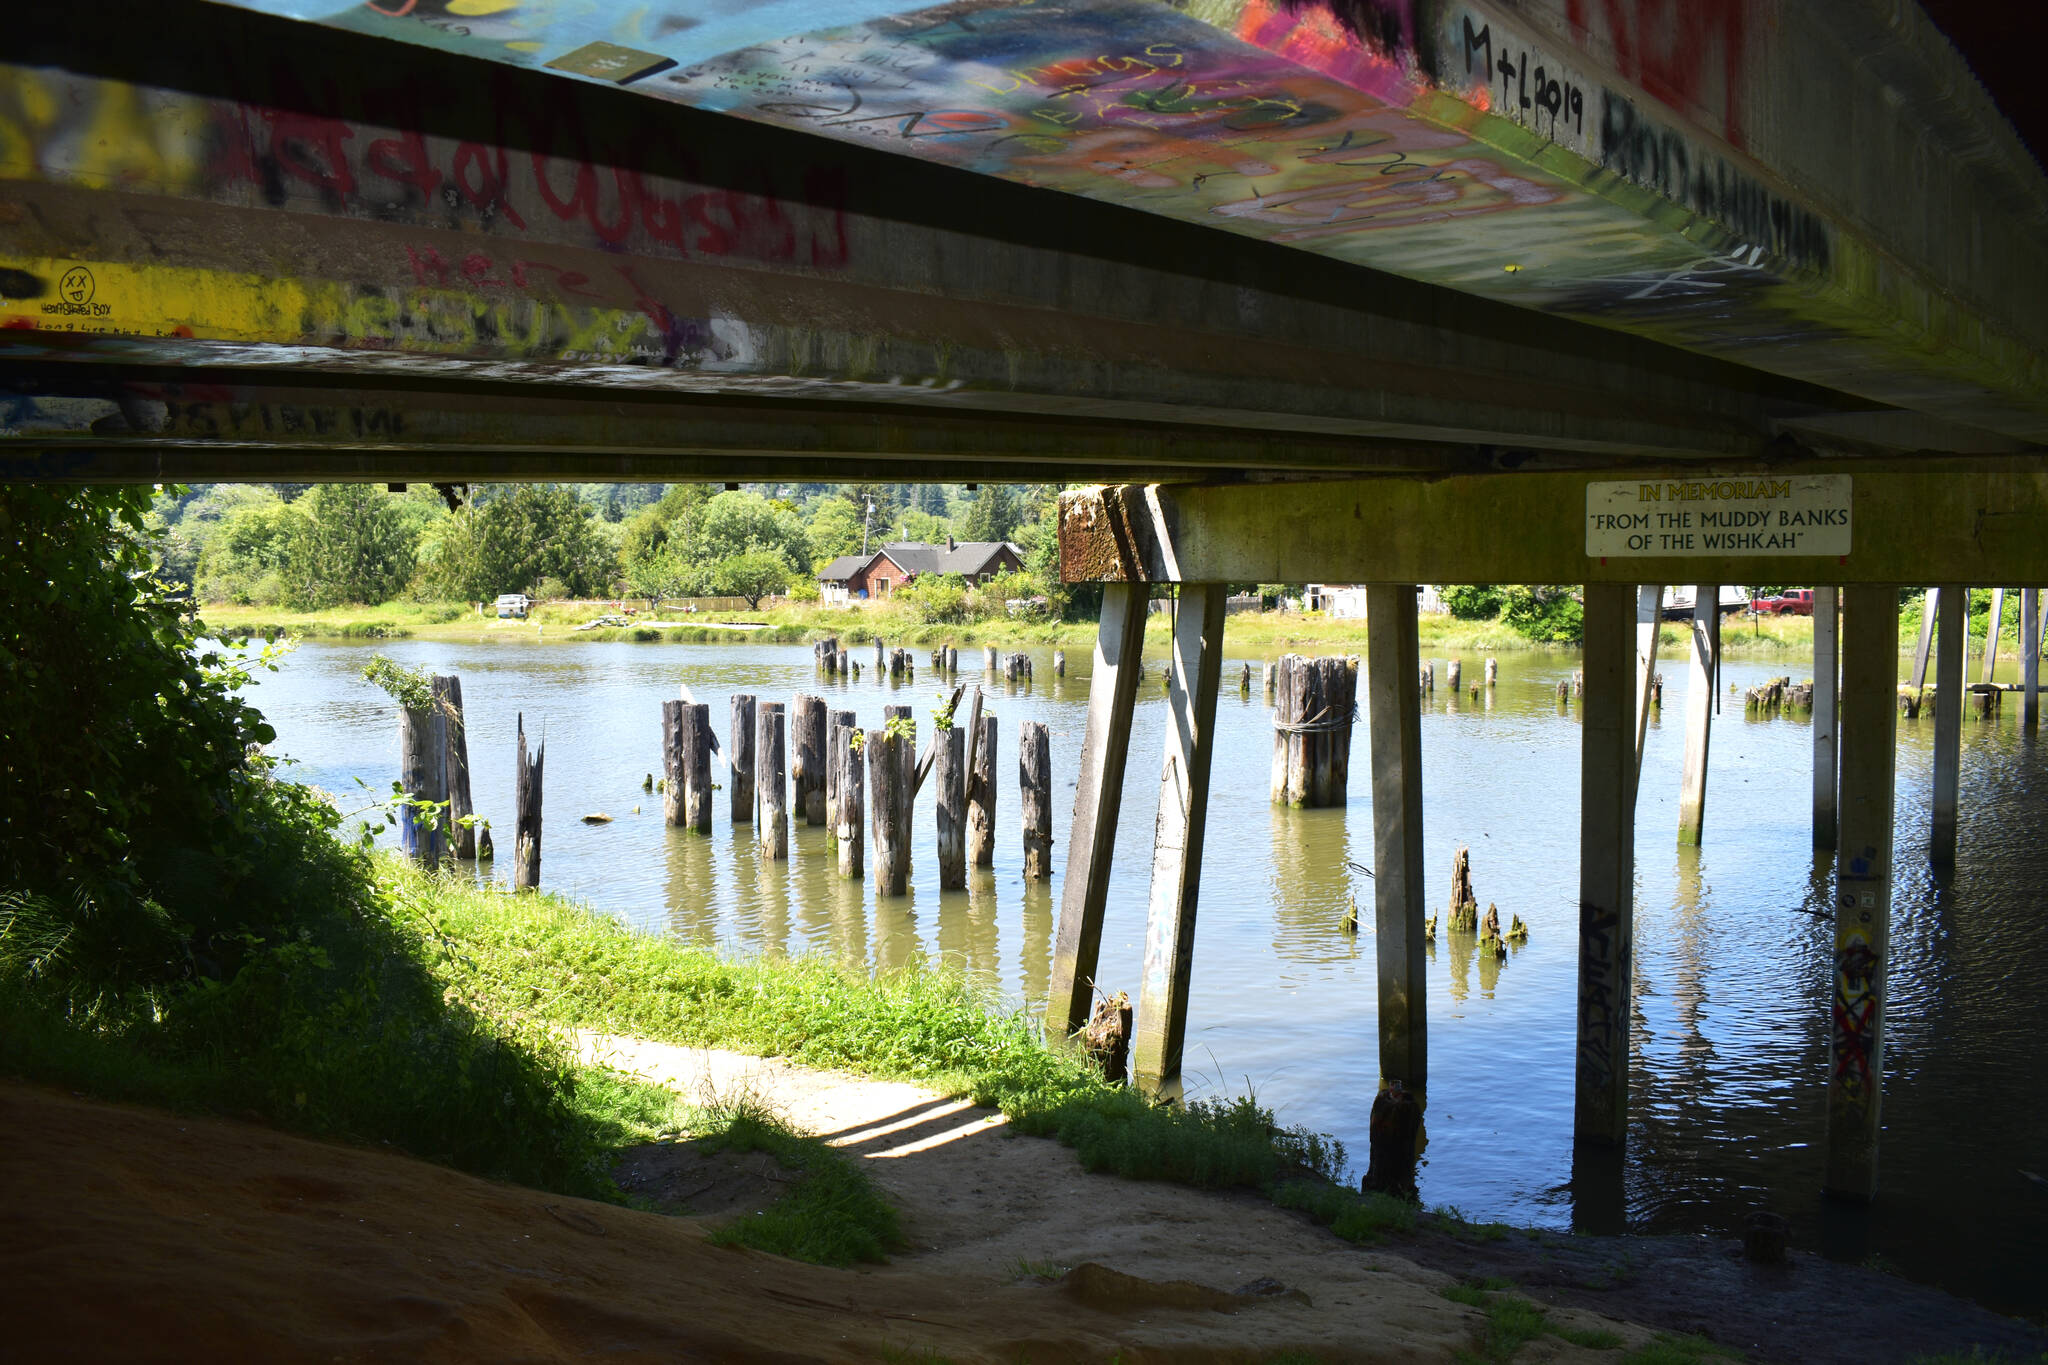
<point x="1676" y="50"/>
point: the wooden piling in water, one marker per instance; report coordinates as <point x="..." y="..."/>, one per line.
<point x="526" y="814"/>
<point x="835" y="721"/>
<point x="423" y="772"/>
<point x="462" y="838"/>
<point x="696" y="726"/>
<point x="807" y="743"/>
<point x="740" y="781"/>
<point x="884" y="755"/>
<point x="846" y="806"/>
<point x="1312" y="730"/>
<point x="949" y="778"/>
<point x="1455" y="674"/>
<point x="988" y="658"/>
<point x="879" y="656"/>
<point x="981" y="789"/>
<point x="1059" y="663"/>
<point x="1034" y="786"/>
<point x="770" y="751"/>
<point x="905" y="790"/>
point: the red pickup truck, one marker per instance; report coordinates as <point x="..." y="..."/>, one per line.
<point x="1791" y="602"/>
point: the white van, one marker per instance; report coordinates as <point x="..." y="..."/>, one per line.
<point x="513" y="604"/>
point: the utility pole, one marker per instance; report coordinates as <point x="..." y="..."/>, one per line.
<point x="864" y="527"/>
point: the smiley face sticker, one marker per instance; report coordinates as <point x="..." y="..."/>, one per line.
<point x="76" y="286"/>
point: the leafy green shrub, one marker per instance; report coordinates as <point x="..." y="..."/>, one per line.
<point x="937" y="599"/>
<point x="1547" y="612"/>
<point x="1472" y="601"/>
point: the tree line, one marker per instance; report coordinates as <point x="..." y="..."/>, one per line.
<point x="313" y="546"/>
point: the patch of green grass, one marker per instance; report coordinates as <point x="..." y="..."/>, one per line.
<point x="1669" y="1349"/>
<point x="1039" y="1270"/>
<point x="833" y="1214"/>
<point x="1592" y="1338"/>
<point x="541" y="956"/>
<point x="1362" y="1218"/>
<point x="1447" y="1218"/>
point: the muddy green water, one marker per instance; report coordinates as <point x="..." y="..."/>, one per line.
<point x="1727" y="1105"/>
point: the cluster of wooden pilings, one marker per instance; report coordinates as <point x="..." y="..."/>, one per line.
<point x="803" y="761"/>
<point x="436" y="822"/>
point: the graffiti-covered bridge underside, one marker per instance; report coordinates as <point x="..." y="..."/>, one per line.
<point x="1132" y="240"/>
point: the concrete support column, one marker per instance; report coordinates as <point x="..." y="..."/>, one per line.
<point x="2030" y="658"/>
<point x="1699" y="709"/>
<point x="1991" y="632"/>
<point x="1863" y="882"/>
<point x="1393" y="683"/>
<point x="1649" y="626"/>
<point x="1098" y="793"/>
<point x="1929" y="607"/>
<point x="1607" y="811"/>
<point x="1949" y="632"/>
<point x="1826" y="668"/>
<point x="1193" y="674"/>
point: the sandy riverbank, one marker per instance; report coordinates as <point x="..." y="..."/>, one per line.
<point x="134" y="1234"/>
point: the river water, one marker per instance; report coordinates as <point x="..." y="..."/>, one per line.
<point x="1732" y="940"/>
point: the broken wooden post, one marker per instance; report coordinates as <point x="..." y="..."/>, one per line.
<point x="423" y="773"/>
<point x="1312" y="730"/>
<point x="1952" y="626"/>
<point x="1607" y="789"/>
<point x="883" y="753"/>
<point x="949" y="776"/>
<point x="879" y="656"/>
<point x="1196" y="669"/>
<point x="1826" y="672"/>
<point x="1107" y="1039"/>
<point x="1492" y="671"/>
<point x="988" y="658"/>
<point x="1564" y="694"/>
<point x="1464" y="907"/>
<point x="1394" y="696"/>
<point x="1059" y="663"/>
<point x="807" y="744"/>
<point x="1394" y="1130"/>
<point x="846" y="812"/>
<point x="1454" y="673"/>
<point x="2030" y="658"/>
<point x="1271" y="674"/>
<point x="835" y="722"/>
<point x="981" y="788"/>
<point x="1034" y="786"/>
<point x="952" y="658"/>
<point x="770" y="756"/>
<point x="462" y="841"/>
<point x="1098" y="795"/>
<point x="1863" y="881"/>
<point x="1699" y="709"/>
<point x="696" y="729"/>
<point x="526" y="815"/>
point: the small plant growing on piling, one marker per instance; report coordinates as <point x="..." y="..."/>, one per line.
<point x="412" y="688"/>
<point x="942" y="714"/>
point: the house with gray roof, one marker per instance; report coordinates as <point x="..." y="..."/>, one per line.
<point x="851" y="578"/>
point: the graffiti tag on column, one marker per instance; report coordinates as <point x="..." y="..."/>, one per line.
<point x="1597" y="1005"/>
<point x="1852" y="1042"/>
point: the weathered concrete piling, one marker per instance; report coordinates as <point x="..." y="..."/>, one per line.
<point x="949" y="778"/>
<point x="1312" y="730"/>
<point x="847" y="834"/>
<point x="423" y="772"/>
<point x="1034" y="784"/>
<point x="740" y="782"/>
<point x="807" y="741"/>
<point x="770" y="751"/>
<point x="526" y="814"/>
